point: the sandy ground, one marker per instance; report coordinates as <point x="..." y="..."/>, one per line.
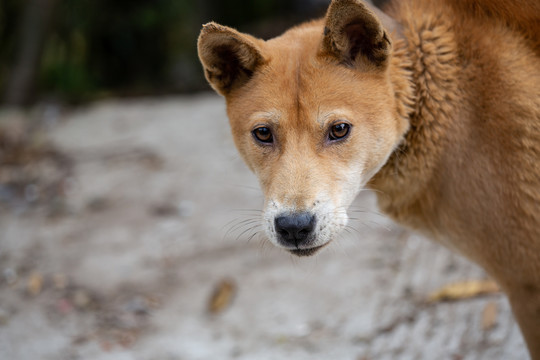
<point x="153" y="252"/>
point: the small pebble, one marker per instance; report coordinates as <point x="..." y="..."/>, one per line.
<point x="10" y="276"/>
<point x="31" y="193"/>
<point x="137" y="305"/>
<point x="186" y="208"/>
<point x="165" y="210"/>
<point x="64" y="306"/>
<point x="4" y="317"/>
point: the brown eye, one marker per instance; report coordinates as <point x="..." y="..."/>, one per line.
<point x="339" y="131"/>
<point x="263" y="134"/>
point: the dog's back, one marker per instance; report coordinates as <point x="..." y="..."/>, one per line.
<point x="476" y="126"/>
<point x="520" y="15"/>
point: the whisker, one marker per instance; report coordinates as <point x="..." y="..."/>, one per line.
<point x="342" y="238"/>
<point x="243" y="223"/>
<point x="237" y="224"/>
<point x="385" y="227"/>
<point x="351" y="229"/>
<point x="374" y="212"/>
<point x="241" y="226"/>
<point x="247" y="187"/>
<point x="264" y="244"/>
<point x="347" y="230"/>
<point x="239" y="221"/>
<point x="245" y="231"/>
<point x="258" y="211"/>
<point x="229" y="223"/>
<point x="252" y="236"/>
<point x="373" y="190"/>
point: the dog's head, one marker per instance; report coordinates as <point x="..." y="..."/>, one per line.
<point x="312" y="113"/>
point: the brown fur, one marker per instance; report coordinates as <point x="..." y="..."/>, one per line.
<point x="444" y="105"/>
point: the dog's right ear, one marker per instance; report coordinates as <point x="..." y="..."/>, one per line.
<point x="354" y="35"/>
<point x="229" y="58"/>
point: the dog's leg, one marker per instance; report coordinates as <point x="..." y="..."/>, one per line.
<point x="525" y="301"/>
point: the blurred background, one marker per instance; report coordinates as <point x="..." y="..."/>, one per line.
<point x="130" y="227"/>
<point x="78" y="50"/>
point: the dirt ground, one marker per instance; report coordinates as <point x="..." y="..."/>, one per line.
<point x="135" y="237"/>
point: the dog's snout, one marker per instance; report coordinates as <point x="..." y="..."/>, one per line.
<point x="294" y="229"/>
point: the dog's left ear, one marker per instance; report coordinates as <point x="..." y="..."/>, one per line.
<point x="355" y="36"/>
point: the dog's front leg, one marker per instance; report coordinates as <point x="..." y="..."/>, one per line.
<point x="525" y="301"/>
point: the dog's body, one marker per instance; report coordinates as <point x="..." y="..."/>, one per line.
<point x="438" y="110"/>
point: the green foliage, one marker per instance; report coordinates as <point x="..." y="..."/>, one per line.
<point x="126" y="46"/>
<point x="107" y="45"/>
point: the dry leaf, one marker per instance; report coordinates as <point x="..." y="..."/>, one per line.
<point x="222" y="296"/>
<point x="81" y="299"/>
<point x="60" y="281"/>
<point x="489" y="316"/>
<point x="35" y="283"/>
<point x="106" y="346"/>
<point x="464" y="290"/>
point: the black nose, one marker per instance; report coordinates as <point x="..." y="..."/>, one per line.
<point x="294" y="229"/>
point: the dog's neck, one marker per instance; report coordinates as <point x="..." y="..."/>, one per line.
<point x="426" y="96"/>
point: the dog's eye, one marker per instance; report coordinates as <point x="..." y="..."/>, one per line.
<point x="339" y="131"/>
<point x="263" y="134"/>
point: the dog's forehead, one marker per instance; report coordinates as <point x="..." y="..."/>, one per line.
<point x="299" y="87"/>
<point x="302" y="96"/>
<point x="294" y="53"/>
<point x="296" y="70"/>
<point x="305" y="38"/>
<point x="290" y="83"/>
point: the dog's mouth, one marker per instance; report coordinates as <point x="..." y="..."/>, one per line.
<point x="306" y="252"/>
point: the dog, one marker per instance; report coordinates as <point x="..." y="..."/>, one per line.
<point x="435" y="104"/>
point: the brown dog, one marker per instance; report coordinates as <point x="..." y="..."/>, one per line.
<point x="437" y="107"/>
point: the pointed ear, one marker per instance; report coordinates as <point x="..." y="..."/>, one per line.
<point x="229" y="58"/>
<point x="354" y="35"/>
